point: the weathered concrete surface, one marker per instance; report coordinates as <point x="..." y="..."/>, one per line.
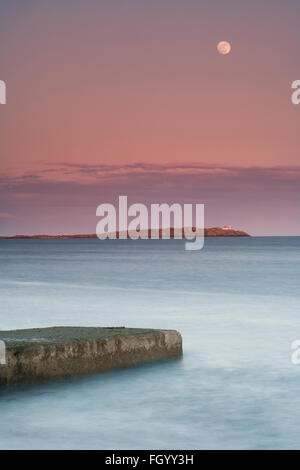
<point x="39" y="358"/>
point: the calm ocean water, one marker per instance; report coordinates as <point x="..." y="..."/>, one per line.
<point x="237" y="305"/>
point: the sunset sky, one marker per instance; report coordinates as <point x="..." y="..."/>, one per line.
<point x="113" y="97"/>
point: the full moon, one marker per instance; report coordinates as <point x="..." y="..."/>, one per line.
<point x="224" y="47"/>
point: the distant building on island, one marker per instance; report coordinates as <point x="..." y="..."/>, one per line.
<point x="229" y="227"/>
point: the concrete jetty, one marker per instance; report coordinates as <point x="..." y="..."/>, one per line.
<point x="50" y="353"/>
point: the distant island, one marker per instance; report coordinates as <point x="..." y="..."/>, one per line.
<point x="208" y="232"/>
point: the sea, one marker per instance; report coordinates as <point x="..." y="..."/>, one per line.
<point x="236" y="303"/>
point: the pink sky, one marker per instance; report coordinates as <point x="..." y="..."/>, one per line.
<point x="131" y="97"/>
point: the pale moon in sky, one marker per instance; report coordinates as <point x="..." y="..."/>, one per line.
<point x="224" y="47"/>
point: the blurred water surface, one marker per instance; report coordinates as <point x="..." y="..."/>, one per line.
<point x="237" y="305"/>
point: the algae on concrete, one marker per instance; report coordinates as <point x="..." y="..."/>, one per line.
<point x="58" y="352"/>
<point x="20" y="339"/>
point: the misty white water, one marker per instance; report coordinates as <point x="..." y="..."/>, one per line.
<point x="237" y="305"/>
